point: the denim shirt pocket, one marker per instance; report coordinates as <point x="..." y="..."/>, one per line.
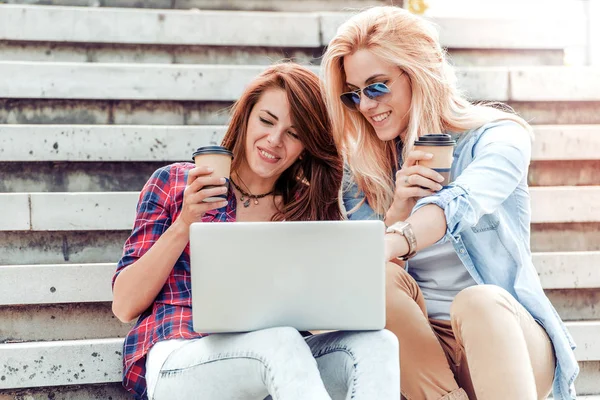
<point x="488" y="222"/>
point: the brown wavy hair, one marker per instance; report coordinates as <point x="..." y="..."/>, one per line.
<point x="310" y="187"/>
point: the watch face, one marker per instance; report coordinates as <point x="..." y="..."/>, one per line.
<point x="400" y="227"/>
<point x="396" y="230"/>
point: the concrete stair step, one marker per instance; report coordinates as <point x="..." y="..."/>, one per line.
<point x="588" y="380"/>
<point x="77" y="362"/>
<point x="315" y="29"/>
<point x="53" y="247"/>
<point x="581" y="236"/>
<point x="106" y="391"/>
<point x="100" y="246"/>
<point x="116" y="210"/>
<point x="105" y="142"/>
<point x="455" y="31"/>
<point x="242" y="5"/>
<point x="120" y="112"/>
<point x="214" y="112"/>
<point x="166" y="27"/>
<point x="173" y="143"/>
<point x="564" y="207"/>
<point x="94" y="81"/>
<point x="558" y="112"/>
<point x="228" y="55"/>
<point x="78" y="296"/>
<point x="576" y="304"/>
<point x="127" y="81"/>
<point x="118" y="176"/>
<point x="72" y="321"/>
<point x="247" y="55"/>
<point x="81" y="283"/>
<point x="568" y="270"/>
<point x="585" y="334"/>
<point x="52" y="284"/>
<point x="553" y="173"/>
<point x="472" y="41"/>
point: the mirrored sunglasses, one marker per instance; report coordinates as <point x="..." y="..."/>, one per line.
<point x="379" y="92"/>
<point x="375" y="91"/>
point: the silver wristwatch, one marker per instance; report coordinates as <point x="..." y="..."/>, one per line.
<point x="405" y="229"/>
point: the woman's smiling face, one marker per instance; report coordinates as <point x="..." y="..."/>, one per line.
<point x="389" y="118"/>
<point x="272" y="141"/>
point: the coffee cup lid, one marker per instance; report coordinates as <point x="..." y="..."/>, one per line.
<point x="435" y="139"/>
<point x="212" y="150"/>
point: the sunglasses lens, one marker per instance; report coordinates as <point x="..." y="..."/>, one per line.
<point x="377" y="91"/>
<point x="350" y="100"/>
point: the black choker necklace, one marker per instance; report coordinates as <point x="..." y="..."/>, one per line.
<point x="247" y="196"/>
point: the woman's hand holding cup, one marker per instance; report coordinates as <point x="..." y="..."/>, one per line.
<point x="200" y="187"/>
<point x="413" y="181"/>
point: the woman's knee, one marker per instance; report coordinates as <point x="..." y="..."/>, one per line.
<point x="393" y="272"/>
<point x="400" y="288"/>
<point x="481" y="302"/>
<point x="375" y="343"/>
<point x="397" y="280"/>
<point x="384" y="345"/>
<point x="279" y="336"/>
<point x="377" y="350"/>
<point x="265" y="343"/>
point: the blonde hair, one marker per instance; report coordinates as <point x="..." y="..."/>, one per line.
<point x="410" y="42"/>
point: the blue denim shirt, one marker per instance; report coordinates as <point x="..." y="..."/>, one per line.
<point x="488" y="216"/>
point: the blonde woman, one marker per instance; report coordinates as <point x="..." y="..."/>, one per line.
<point x="463" y="296"/>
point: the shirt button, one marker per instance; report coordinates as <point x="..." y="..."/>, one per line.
<point x="462" y="251"/>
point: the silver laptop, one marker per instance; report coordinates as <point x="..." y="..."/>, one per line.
<point x="307" y="275"/>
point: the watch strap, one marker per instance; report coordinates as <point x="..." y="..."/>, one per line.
<point x="405" y="229"/>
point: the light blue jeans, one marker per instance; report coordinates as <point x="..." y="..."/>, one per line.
<point x="279" y="362"/>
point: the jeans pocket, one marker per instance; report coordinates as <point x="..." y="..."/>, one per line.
<point x="168" y="384"/>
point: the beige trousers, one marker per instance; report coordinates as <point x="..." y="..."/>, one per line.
<point x="491" y="349"/>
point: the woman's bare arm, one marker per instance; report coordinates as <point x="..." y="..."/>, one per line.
<point x="138" y="284"/>
<point x="428" y="224"/>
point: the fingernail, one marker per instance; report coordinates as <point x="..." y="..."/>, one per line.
<point x="209" y="169"/>
<point x="428" y="155"/>
<point x="440" y="178"/>
<point x="223" y="189"/>
<point x="222" y="180"/>
<point x="440" y="187"/>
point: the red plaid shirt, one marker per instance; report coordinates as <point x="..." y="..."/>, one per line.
<point x="170" y="316"/>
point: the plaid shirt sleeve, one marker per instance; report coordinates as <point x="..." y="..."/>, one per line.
<point x="170" y="316"/>
<point x="152" y="218"/>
